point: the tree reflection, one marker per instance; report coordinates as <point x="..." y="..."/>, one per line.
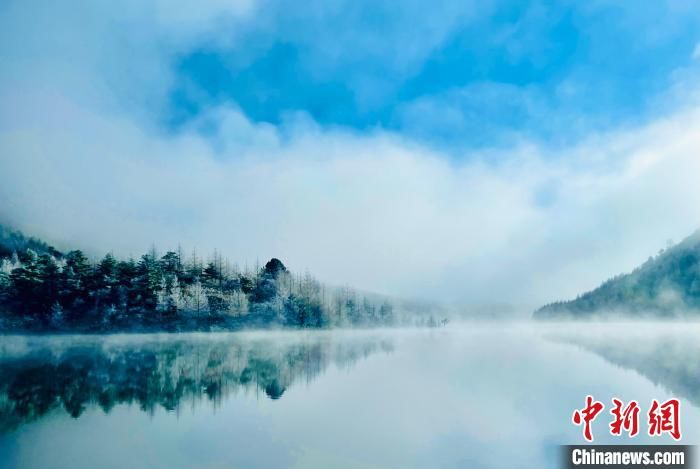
<point x="667" y="355"/>
<point x="69" y="375"/>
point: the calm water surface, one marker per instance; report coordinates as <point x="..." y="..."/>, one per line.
<point x="468" y="396"/>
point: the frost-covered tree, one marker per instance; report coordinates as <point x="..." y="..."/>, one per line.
<point x="53" y="290"/>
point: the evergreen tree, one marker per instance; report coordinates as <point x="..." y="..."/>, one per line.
<point x="127" y="294"/>
<point x="106" y="282"/>
<point x="26" y="282"/>
<point x="148" y="282"/>
<point x="75" y="282"/>
<point x="50" y="281"/>
<point x="170" y="295"/>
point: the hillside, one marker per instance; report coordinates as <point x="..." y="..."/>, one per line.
<point x="13" y="241"/>
<point x="665" y="286"/>
<point x="44" y="290"/>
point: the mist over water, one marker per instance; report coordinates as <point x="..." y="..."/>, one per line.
<point x="469" y="395"/>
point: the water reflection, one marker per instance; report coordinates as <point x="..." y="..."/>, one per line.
<point x="41" y="375"/>
<point x="667" y="355"/>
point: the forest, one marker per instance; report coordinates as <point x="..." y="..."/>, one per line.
<point x="42" y="289"/>
<point x="665" y="286"/>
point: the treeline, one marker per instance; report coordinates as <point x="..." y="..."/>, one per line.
<point x="52" y="291"/>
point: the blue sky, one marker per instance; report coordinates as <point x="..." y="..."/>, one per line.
<point x="459" y="74"/>
<point x="473" y="151"/>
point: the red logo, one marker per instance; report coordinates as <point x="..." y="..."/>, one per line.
<point x="665" y="418"/>
<point x="662" y="418"/>
<point x="626" y="418"/>
<point x="588" y="415"/>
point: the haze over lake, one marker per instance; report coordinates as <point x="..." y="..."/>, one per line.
<point x="445" y="397"/>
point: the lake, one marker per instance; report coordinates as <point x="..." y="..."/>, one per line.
<point x="483" y="395"/>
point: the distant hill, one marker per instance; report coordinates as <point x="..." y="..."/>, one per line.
<point x="665" y="286"/>
<point x="14" y="241"/>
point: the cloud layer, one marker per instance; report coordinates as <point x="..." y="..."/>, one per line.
<point x="83" y="162"/>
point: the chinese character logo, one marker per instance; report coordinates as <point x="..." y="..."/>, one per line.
<point x="587" y="415"/>
<point x="626" y="418"/>
<point x="665" y="418"/>
<point x="662" y="418"/>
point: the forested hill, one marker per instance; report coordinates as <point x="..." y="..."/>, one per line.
<point x="12" y="241"/>
<point x="665" y="286"/>
<point x="42" y="289"/>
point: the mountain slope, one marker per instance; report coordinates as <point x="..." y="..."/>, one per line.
<point x="44" y="290"/>
<point x="665" y="286"/>
<point x="14" y="241"/>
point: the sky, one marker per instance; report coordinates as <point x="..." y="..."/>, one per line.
<point x="475" y="152"/>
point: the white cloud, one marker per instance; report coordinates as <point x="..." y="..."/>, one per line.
<point x="372" y="211"/>
<point x="80" y="167"/>
<point x="696" y="52"/>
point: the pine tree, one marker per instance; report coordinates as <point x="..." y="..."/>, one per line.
<point x="75" y="283"/>
<point x="106" y="282"/>
<point x="148" y="281"/>
<point x="25" y="282"/>
<point x="50" y="281"/>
